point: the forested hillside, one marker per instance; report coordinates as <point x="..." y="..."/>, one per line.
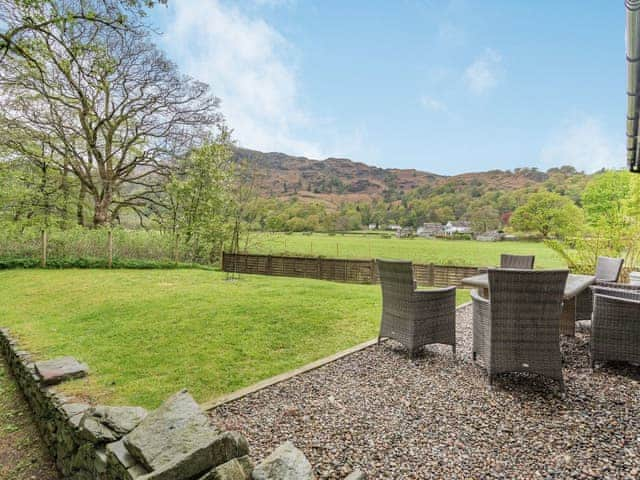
<point x="297" y="193"/>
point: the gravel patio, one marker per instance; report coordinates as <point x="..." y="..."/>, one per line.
<point x="435" y="417"/>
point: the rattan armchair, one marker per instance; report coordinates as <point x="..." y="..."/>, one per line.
<point x="518" y="330"/>
<point x="523" y="262"/>
<point x="607" y="270"/>
<point x="615" y="325"/>
<point x="415" y="317"/>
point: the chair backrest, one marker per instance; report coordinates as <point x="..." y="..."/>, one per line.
<point x="396" y="277"/>
<point x="523" y="262"/>
<point x="526" y="304"/>
<point x="608" y="269"/>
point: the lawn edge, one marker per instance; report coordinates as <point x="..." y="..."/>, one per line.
<point x="261" y="385"/>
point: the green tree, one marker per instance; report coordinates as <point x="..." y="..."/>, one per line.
<point x="199" y="194"/>
<point x="605" y="197"/>
<point x="548" y="214"/>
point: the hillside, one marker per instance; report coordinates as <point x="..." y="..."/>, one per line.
<point x="334" y="181"/>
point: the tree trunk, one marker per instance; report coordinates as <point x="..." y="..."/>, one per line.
<point x="102" y="205"/>
<point x="80" y="205"/>
<point x="101" y="213"/>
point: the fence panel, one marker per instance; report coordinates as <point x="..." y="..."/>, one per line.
<point x="338" y="269"/>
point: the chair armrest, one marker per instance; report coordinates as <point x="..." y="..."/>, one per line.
<point x="435" y="292"/>
<point x="617" y="285"/>
<point x="615" y="301"/>
<point x="616" y="293"/>
<point x="476" y="297"/>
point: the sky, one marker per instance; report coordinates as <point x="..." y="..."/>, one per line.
<point x="446" y="86"/>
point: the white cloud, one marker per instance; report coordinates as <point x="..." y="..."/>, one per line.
<point x="247" y="63"/>
<point x="583" y="144"/>
<point x="433" y="104"/>
<point x="484" y="72"/>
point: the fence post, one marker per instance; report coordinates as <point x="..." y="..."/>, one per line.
<point x="43" y="261"/>
<point x="110" y="248"/>
<point x="176" y="241"/>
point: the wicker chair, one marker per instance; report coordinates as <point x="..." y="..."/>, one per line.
<point x="415" y="317"/>
<point x="615" y="325"/>
<point x="607" y="271"/>
<point x="518" y="330"/>
<point x="523" y="262"/>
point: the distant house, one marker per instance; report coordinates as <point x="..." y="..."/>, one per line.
<point x="404" y="232"/>
<point x="373" y="226"/>
<point x="457" y="226"/>
<point x="394" y="227"/>
<point x="430" y="230"/>
<point x="493" y="236"/>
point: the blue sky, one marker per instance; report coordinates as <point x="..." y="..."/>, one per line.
<point x="444" y="86"/>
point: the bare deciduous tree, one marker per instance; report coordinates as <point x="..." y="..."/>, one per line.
<point x="112" y="109"/>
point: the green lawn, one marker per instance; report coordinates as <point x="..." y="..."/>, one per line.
<point x="420" y="250"/>
<point x="147" y="333"/>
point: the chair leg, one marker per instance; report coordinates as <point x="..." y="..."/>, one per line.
<point x="473" y="356"/>
<point x="379" y="338"/>
<point x="453" y="349"/>
<point x="563" y="390"/>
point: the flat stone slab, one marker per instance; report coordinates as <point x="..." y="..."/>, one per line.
<point x="119" y="419"/>
<point x="285" y="463"/>
<point x="177" y="429"/>
<point x="60" y="369"/>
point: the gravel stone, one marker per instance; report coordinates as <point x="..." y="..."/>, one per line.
<point x="434" y="416"/>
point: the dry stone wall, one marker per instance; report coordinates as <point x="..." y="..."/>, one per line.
<point x="174" y="442"/>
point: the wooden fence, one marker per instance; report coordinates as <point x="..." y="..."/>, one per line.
<point x="338" y="269"/>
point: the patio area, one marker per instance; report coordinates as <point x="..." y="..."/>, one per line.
<point x="435" y="417"/>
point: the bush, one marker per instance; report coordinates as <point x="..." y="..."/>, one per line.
<point x="88" y="248"/>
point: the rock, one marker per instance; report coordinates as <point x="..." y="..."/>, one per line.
<point x="119" y="452"/>
<point x="285" y="463"/>
<point x="356" y="475"/>
<point x="73" y="409"/>
<point x="93" y="431"/>
<point x="119" y="419"/>
<point x="228" y="445"/>
<point x="236" y="469"/>
<point x="176" y="436"/>
<point x="220" y="450"/>
<point x="60" y="369"/>
<point x="100" y="463"/>
<point x="136" y="472"/>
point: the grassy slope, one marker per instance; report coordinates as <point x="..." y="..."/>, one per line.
<point x="146" y="334"/>
<point x="22" y="454"/>
<point x="420" y="250"/>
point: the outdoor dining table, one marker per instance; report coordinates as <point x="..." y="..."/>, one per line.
<point x="575" y="285"/>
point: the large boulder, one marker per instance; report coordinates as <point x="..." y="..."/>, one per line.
<point x="285" y="463"/>
<point x="177" y="441"/>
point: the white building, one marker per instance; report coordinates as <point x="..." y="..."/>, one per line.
<point x="457" y="226"/>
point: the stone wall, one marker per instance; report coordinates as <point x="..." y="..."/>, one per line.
<point x="174" y="442"/>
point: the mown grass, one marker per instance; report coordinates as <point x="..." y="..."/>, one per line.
<point x="146" y="334"/>
<point x="420" y="250"/>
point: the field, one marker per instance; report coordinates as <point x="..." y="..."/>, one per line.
<point x="146" y="334"/>
<point x="420" y="250"/>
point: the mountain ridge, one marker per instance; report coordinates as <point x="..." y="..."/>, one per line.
<point x="335" y="180"/>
